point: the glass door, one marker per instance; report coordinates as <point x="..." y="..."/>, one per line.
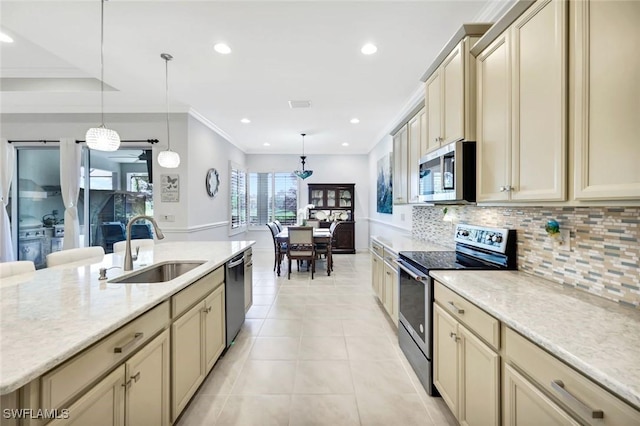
<point x="120" y="187"/>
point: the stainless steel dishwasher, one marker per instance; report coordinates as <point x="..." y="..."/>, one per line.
<point x="234" y="296"/>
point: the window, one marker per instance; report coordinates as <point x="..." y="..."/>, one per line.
<point x="238" y="202"/>
<point x="273" y="196"/>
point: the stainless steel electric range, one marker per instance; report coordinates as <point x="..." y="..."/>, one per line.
<point x="478" y="248"/>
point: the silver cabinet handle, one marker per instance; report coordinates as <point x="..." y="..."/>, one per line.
<point x="455" y="309"/>
<point x="136" y="377"/>
<point x="506" y="188"/>
<point x="136" y="338"/>
<point x="454" y="336"/>
<point x="206" y="310"/>
<point x="581" y="407"/>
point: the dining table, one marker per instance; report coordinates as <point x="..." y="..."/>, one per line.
<point x="320" y="236"/>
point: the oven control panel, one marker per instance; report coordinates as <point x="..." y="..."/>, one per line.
<point x="494" y="239"/>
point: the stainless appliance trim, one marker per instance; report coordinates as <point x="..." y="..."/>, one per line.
<point x="234" y="296"/>
<point x="463" y="169"/>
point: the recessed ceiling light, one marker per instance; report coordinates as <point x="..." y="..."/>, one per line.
<point x="266" y="144"/>
<point x="222" y="48"/>
<point x="345" y="144"/>
<point x="369" y="49"/>
<point x="245" y="121"/>
<point x="5" y="38"/>
<point x="354" y="121"/>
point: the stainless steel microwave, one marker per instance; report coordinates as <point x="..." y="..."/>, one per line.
<point x="448" y="174"/>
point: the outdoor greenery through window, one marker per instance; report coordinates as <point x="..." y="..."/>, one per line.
<point x="273" y="196"/>
<point x="238" y="199"/>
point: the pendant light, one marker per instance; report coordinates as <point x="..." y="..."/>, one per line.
<point x="303" y="174"/>
<point x="101" y="138"/>
<point x="168" y="159"/>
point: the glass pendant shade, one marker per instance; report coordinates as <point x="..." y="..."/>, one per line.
<point x="169" y="159"/>
<point x="303" y="174"/>
<point x="102" y="139"/>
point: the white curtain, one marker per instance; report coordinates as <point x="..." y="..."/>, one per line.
<point x="7" y="160"/>
<point x="70" y="157"/>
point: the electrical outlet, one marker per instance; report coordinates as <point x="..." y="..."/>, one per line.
<point x="167" y="218"/>
<point x="564" y="242"/>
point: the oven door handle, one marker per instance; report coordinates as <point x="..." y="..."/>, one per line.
<point x="409" y="270"/>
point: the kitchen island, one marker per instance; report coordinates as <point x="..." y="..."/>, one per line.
<point x="49" y="316"/>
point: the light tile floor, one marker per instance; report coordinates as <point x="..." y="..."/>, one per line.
<point x="314" y="352"/>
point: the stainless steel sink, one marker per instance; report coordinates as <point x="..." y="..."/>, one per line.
<point x="159" y="273"/>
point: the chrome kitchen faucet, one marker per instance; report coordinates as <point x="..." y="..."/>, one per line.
<point x="128" y="259"/>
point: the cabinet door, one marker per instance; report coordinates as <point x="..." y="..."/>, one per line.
<point x="445" y="358"/>
<point x="400" y="163"/>
<point x="433" y="107"/>
<point x="214" y="327"/>
<point x="376" y="275"/>
<point x="186" y="357"/>
<point x="344" y="238"/>
<point x="391" y="292"/>
<point x="540" y="102"/>
<point x="479" y="381"/>
<point x="494" y="121"/>
<point x="525" y="405"/>
<point x="452" y="74"/>
<point x="331" y="197"/>
<point x="148" y="384"/>
<point x="414" y="157"/>
<point x="424" y="142"/>
<point x="605" y="92"/>
<point x="102" y="405"/>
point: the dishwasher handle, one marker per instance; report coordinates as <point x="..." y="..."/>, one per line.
<point x="233" y="263"/>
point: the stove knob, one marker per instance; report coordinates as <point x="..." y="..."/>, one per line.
<point x="498" y="239"/>
<point x="27" y="234"/>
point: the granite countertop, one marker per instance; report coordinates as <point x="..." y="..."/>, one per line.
<point x="405" y="243"/>
<point x="597" y="337"/>
<point x="50" y="315"/>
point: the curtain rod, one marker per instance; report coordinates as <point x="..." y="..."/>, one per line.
<point x="151" y="141"/>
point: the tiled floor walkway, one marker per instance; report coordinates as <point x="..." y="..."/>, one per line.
<point x="314" y="352"/>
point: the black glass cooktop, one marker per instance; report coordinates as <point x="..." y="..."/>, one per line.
<point x="443" y="260"/>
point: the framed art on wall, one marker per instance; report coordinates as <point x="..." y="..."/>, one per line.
<point x="170" y="188"/>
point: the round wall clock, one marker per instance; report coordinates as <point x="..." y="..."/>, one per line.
<point x="212" y="182"/>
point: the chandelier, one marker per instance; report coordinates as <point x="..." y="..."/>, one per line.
<point x="303" y="174"/>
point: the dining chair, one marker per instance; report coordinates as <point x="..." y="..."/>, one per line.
<point x="323" y="248"/>
<point x="143" y="242"/>
<point x="9" y="269"/>
<point x="278" y="250"/>
<point x="301" y="247"/>
<point x="73" y="255"/>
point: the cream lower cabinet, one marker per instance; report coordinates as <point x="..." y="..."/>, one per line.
<point x="526" y="405"/>
<point x="390" y="293"/>
<point x="136" y="393"/>
<point x="377" y="269"/>
<point x="197" y="339"/>
<point x="522" y="108"/>
<point x="605" y="93"/>
<point x="466" y="371"/>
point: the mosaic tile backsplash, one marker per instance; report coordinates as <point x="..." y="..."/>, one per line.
<point x="605" y="243"/>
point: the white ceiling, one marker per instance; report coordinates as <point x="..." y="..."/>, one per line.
<point x="288" y="50"/>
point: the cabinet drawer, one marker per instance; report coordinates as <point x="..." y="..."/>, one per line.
<point x="483" y="324"/>
<point x="377" y="248"/>
<point x="196" y="292"/>
<point x="61" y="384"/>
<point x="579" y="395"/>
<point x="390" y="257"/>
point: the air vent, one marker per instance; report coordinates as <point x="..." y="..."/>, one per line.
<point x="299" y="104"/>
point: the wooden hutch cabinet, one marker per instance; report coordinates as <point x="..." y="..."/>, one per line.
<point x="335" y="201"/>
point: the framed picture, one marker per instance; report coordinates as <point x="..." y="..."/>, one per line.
<point x="384" y="191"/>
<point x="170" y="188"/>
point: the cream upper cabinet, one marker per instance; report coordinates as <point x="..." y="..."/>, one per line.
<point x="522" y="108"/>
<point x="400" y="166"/>
<point x="605" y="96"/>
<point x="416" y="136"/>
<point x="433" y="106"/>
<point x="493" y="148"/>
<point x="450" y="98"/>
